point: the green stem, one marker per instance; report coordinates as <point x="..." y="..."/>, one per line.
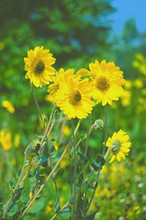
<point x="51" y="164"/>
<point x="74" y="182"/>
<point x="18" y="182"/>
<point x="30" y="203"/>
<point x="95" y="187"/>
<point x="36" y="102"/>
<point x="88" y="133"/>
<point x="106" y="128"/>
<point x="77" y="192"/>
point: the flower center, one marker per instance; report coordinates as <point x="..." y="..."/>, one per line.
<point x="102" y="84"/>
<point x="39" y="67"/>
<point x="116" y="146"/>
<point x="75" y="98"/>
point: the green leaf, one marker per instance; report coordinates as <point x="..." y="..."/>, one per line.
<point x="57" y="205"/>
<point x="81" y="178"/>
<point x="25" y="195"/>
<point x="98" y="163"/>
<point x="83" y="158"/>
<point x="66" y="212"/>
<point x="13" y="210"/>
<point x="1" y="193"/>
<point x="91" y="216"/>
<point x="1" y="206"/>
<point x="18" y="172"/>
<point x="32" y="173"/>
<point x="37" y="206"/>
<point x="46" y="151"/>
<point x="12" y="183"/>
<point x="72" y="200"/>
<point x="42" y="160"/>
<point x="91" y="183"/>
<point x="18" y="193"/>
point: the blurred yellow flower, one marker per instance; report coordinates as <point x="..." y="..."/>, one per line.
<point x="125" y="98"/>
<point x="137" y="209"/>
<point x="38" y="66"/>
<point x="16" y="140"/>
<point x="107" y="192"/>
<point x="30" y="195"/>
<point x="138" y="83"/>
<point x="107" y="81"/>
<point x="142" y="104"/>
<point x="128" y="84"/>
<point x="140" y="63"/>
<point x="134" y="211"/>
<point x="65" y="162"/>
<point x="6" y="104"/>
<point x="66" y="130"/>
<point x="120" y="145"/>
<point x="1" y="45"/>
<point x="56" y="145"/>
<point x="114" y="173"/>
<point x="49" y="208"/>
<point x="5" y="139"/>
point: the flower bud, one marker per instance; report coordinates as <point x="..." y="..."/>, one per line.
<point x="99" y="124"/>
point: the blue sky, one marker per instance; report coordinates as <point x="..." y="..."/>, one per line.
<point x="129" y="9"/>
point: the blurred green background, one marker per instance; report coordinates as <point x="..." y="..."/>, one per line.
<point x="77" y="33"/>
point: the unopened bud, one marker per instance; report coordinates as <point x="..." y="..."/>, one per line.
<point x="99" y="124"/>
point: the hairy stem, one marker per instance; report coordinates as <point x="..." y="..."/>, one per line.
<point x="88" y="133"/>
<point x="36" y="102"/>
<point x="87" y="178"/>
<point x="95" y="187"/>
<point x="74" y="182"/>
<point x="51" y="164"/>
<point x="21" y="179"/>
<point x="106" y="128"/>
<point x="18" y="182"/>
<point x="30" y="203"/>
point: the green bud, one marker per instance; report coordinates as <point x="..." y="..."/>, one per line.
<point x="99" y="124"/>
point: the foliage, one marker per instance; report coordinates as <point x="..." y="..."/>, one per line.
<point x="77" y="32"/>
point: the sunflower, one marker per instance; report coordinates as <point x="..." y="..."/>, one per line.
<point x="38" y="66"/>
<point x="74" y="97"/>
<point x="120" y="145"/>
<point x="5" y="139"/>
<point x="8" y="105"/>
<point x="107" y="81"/>
<point x="60" y="77"/>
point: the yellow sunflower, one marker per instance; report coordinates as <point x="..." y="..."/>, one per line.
<point x="107" y="81"/>
<point x="120" y="145"/>
<point x="38" y="66"/>
<point x="8" y="105"/>
<point x="59" y="78"/>
<point x="5" y="140"/>
<point x="74" y="97"/>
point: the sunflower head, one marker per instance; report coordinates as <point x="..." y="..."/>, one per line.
<point x="102" y="83"/>
<point x="74" y="97"/>
<point x="107" y="81"/>
<point x="38" y="65"/>
<point x="120" y="145"/>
